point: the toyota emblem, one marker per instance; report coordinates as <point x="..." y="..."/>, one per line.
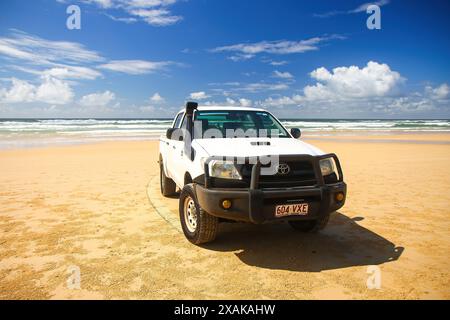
<point x="283" y="169"/>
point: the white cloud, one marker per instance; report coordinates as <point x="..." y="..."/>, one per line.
<point x="282" y="47"/>
<point x="261" y="87"/>
<point x="59" y="65"/>
<point x="54" y="91"/>
<point x="378" y="107"/>
<point x="242" y="102"/>
<point x="360" y="8"/>
<point x="135" y="67"/>
<point x="65" y="60"/>
<point x="126" y="3"/>
<point x="72" y="72"/>
<point x="282" y="75"/>
<point x="156" y="17"/>
<point x="51" y="91"/>
<point x="441" y="92"/>
<point x="153" y="12"/>
<point x="230" y="102"/>
<point x="97" y="99"/>
<point x="62" y="72"/>
<point x="122" y="19"/>
<point x="278" y="63"/>
<point x="101" y="3"/>
<point x="245" y="102"/>
<point x="241" y="57"/>
<point x="374" y="80"/>
<point x="35" y="50"/>
<point x="371" y="91"/>
<point x="363" y="7"/>
<point x="147" y="109"/>
<point x="156" y="98"/>
<point x="407" y="105"/>
<point x="8" y="49"/>
<point x="283" y="101"/>
<point x="20" y="91"/>
<point x="253" y="87"/>
<point x="201" y="95"/>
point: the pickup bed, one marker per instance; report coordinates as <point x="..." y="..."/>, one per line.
<point x="242" y="164"/>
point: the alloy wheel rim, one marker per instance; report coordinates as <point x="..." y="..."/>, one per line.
<point x="190" y="214"/>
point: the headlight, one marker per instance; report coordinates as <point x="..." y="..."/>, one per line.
<point x="327" y="166"/>
<point x="224" y="170"/>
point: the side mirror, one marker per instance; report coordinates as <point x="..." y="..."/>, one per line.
<point x="169" y="133"/>
<point x="296" y="133"/>
<point x="174" y="134"/>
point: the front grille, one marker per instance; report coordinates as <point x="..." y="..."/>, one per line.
<point x="301" y="173"/>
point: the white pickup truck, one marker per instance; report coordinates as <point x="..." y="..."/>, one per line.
<point x="241" y="164"/>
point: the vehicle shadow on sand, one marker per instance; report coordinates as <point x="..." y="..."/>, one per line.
<point x="343" y="243"/>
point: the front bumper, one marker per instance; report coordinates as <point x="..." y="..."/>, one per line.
<point x="258" y="205"/>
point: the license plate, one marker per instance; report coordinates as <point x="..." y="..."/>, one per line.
<point x="299" y="209"/>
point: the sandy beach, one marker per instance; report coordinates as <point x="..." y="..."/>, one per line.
<point x="97" y="207"/>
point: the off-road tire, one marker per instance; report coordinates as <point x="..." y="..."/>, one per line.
<point x="206" y="224"/>
<point x="167" y="185"/>
<point x="311" y="226"/>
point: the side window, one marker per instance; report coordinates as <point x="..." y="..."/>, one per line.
<point x="177" y="122"/>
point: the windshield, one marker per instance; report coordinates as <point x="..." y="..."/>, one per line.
<point x="236" y="123"/>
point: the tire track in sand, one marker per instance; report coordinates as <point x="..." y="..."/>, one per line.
<point x="160" y="207"/>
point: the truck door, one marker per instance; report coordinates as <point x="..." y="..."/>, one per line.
<point x="170" y="149"/>
<point x="177" y="158"/>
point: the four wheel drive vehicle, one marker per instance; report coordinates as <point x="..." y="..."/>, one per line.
<point x="241" y="164"/>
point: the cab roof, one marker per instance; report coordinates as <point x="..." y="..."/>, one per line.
<point x="224" y="108"/>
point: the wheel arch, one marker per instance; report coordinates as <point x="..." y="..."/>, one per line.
<point x="162" y="163"/>
<point x="187" y="178"/>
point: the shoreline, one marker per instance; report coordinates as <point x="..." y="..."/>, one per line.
<point x="312" y="136"/>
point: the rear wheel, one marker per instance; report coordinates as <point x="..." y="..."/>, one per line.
<point x="198" y="226"/>
<point x="168" y="187"/>
<point x="310" y="226"/>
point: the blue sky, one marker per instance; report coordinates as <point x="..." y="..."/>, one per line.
<point x="145" y="58"/>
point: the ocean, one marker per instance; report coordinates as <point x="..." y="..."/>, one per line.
<point x="22" y="133"/>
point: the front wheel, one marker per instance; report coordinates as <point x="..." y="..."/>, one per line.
<point x="198" y="226"/>
<point x="311" y="226"/>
